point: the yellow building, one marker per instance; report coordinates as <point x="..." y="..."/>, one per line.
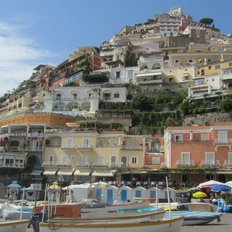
<point x="77" y="155"/>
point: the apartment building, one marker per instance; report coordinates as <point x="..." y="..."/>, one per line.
<point x="22" y="145"/>
<point x="198" y="153"/>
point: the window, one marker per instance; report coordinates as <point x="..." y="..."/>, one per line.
<point x="86" y="143"/>
<point x="204" y="137"/>
<point x="101" y="160"/>
<point x="113" y="161"/>
<point x="65" y="160"/>
<point x="85" y="160"/>
<point x="130" y="73"/>
<point x="69" y="143"/>
<point x="112" y="142"/>
<point x="51" y="159"/>
<point x="116" y="95"/>
<point x="74" y="96"/>
<point x="229" y="158"/>
<point x="222" y="137"/>
<point x="134" y="160"/>
<point x="117" y="74"/>
<point x="58" y="96"/>
<point x="178" y="138"/>
<point x="155" y="160"/>
<point x="185" y="158"/>
<point x="123" y="161"/>
<point x="217" y="66"/>
<point x="209" y="158"/>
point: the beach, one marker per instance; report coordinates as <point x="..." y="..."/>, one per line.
<point x="225" y="225"/>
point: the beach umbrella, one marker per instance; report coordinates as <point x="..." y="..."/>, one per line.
<point x="229" y="183"/>
<point x="55" y="185"/>
<point x="209" y="184"/>
<point x="14" y="185"/>
<point x="221" y="187"/>
<point x="199" y="194"/>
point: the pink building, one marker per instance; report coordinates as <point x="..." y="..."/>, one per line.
<point x="197" y="153"/>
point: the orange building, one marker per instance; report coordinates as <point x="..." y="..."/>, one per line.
<point x="197" y="153"/>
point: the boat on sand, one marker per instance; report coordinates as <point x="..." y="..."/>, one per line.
<point x="165" y="225"/>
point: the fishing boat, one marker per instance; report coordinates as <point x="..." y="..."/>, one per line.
<point x="198" y="213"/>
<point x="10" y="211"/>
<point x="13" y="225"/>
<point x="197" y="217"/>
<point x="165" y="225"/>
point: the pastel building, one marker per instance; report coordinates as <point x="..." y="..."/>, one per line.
<point x="198" y="153"/>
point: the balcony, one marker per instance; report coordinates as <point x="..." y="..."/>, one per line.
<point x="210" y="164"/>
<point x="12" y="165"/>
<point x="224" y="142"/>
<point x="84" y="148"/>
<point x="227" y="164"/>
<point x="49" y="164"/>
<point x="189" y="163"/>
<point x="131" y="147"/>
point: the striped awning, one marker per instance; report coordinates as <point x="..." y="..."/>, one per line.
<point x="103" y="172"/>
<point x="82" y="172"/>
<point x="50" y="172"/>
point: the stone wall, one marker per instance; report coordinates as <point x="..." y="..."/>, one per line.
<point x="207" y="119"/>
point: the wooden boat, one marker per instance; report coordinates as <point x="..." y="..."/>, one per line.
<point x="165" y="225"/>
<point x="197" y="217"/>
<point x="115" y="216"/>
<point x="13" y="225"/>
<point x="198" y="213"/>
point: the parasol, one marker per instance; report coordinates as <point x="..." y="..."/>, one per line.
<point x="221" y="187"/>
<point x="199" y="194"/>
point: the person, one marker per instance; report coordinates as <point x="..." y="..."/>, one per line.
<point x="221" y="203"/>
<point x="212" y="196"/>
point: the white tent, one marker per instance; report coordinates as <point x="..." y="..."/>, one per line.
<point x="209" y="184"/>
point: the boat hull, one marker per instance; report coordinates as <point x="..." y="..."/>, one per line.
<point x="166" y="225"/>
<point x="14" y="226"/>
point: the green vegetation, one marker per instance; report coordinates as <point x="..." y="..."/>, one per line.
<point x="95" y="78"/>
<point x="207" y="21"/>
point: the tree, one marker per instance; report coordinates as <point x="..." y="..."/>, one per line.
<point x="141" y="102"/>
<point x="226" y="104"/>
<point x="207" y="21"/>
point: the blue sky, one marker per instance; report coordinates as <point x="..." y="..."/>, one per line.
<point x="36" y="32"/>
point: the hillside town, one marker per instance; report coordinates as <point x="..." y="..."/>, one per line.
<point x="90" y="117"/>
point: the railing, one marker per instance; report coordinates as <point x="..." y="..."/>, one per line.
<point x="131" y="147"/>
<point x="227" y="141"/>
<point x="4" y="165"/>
<point x="227" y="164"/>
<point x="210" y="164"/>
<point x="181" y="163"/>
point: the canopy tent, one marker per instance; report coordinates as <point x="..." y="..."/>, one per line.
<point x="209" y="184"/>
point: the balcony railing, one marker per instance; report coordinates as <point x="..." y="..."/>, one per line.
<point x="227" y="164"/>
<point x="189" y="163"/>
<point x="220" y="142"/>
<point x="131" y="147"/>
<point x="210" y="164"/>
<point x="11" y="165"/>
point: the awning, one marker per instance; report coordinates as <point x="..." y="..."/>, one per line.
<point x="65" y="172"/>
<point x="82" y="172"/>
<point x="49" y="172"/>
<point x="36" y="173"/>
<point x="103" y="172"/>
